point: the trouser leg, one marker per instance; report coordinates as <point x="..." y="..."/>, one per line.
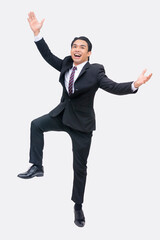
<point x="81" y="145"/>
<point x="38" y="127"/>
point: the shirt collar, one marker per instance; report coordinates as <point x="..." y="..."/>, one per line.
<point x="80" y="66"/>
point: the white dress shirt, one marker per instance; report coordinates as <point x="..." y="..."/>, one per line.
<point x="77" y="72"/>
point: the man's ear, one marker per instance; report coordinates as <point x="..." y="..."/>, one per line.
<point x="89" y="53"/>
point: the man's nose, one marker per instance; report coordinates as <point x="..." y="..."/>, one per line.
<point x="78" y="49"/>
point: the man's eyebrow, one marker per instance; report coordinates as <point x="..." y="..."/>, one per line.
<point x="74" y="44"/>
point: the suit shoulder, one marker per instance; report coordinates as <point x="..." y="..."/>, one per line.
<point x="98" y="68"/>
<point x="67" y="59"/>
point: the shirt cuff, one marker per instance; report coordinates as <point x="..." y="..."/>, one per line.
<point x="133" y="87"/>
<point x="38" y="37"/>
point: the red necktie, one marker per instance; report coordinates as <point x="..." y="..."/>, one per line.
<point x="71" y="80"/>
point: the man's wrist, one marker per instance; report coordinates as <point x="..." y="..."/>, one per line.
<point x="133" y="86"/>
<point x="136" y="85"/>
<point x="36" y="33"/>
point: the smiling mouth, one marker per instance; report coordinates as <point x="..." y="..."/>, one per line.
<point x="76" y="55"/>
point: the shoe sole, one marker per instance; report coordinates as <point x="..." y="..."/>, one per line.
<point x="78" y="224"/>
<point x="35" y="175"/>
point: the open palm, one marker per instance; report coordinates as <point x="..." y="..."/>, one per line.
<point x="34" y="24"/>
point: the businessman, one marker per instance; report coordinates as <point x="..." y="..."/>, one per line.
<point x="75" y="114"/>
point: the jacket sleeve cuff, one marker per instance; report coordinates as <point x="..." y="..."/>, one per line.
<point x="38" y="37"/>
<point x="133" y="87"/>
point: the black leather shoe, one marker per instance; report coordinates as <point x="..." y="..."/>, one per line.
<point x="33" y="171"/>
<point x="79" y="218"/>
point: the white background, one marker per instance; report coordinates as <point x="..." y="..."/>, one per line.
<point x="122" y="199"/>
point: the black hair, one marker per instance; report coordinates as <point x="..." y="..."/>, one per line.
<point x="84" y="39"/>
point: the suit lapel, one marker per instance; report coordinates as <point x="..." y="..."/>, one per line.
<point x="66" y="68"/>
<point x="84" y="69"/>
<point x="80" y="81"/>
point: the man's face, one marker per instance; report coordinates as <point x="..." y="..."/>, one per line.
<point x="79" y="52"/>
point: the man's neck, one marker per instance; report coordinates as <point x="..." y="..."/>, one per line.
<point x="81" y="64"/>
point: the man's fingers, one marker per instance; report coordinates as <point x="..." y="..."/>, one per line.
<point x="42" y="21"/>
<point x="149" y="76"/>
<point x="31" y="16"/>
<point x="144" y="71"/>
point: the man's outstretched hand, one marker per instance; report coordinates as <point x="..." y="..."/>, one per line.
<point x="34" y="24"/>
<point x="142" y="79"/>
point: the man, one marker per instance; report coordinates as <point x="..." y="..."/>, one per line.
<point x="75" y="114"/>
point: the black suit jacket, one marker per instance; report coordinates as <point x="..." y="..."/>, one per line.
<point x="78" y="108"/>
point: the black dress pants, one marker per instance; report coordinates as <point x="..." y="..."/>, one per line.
<point x="81" y="142"/>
